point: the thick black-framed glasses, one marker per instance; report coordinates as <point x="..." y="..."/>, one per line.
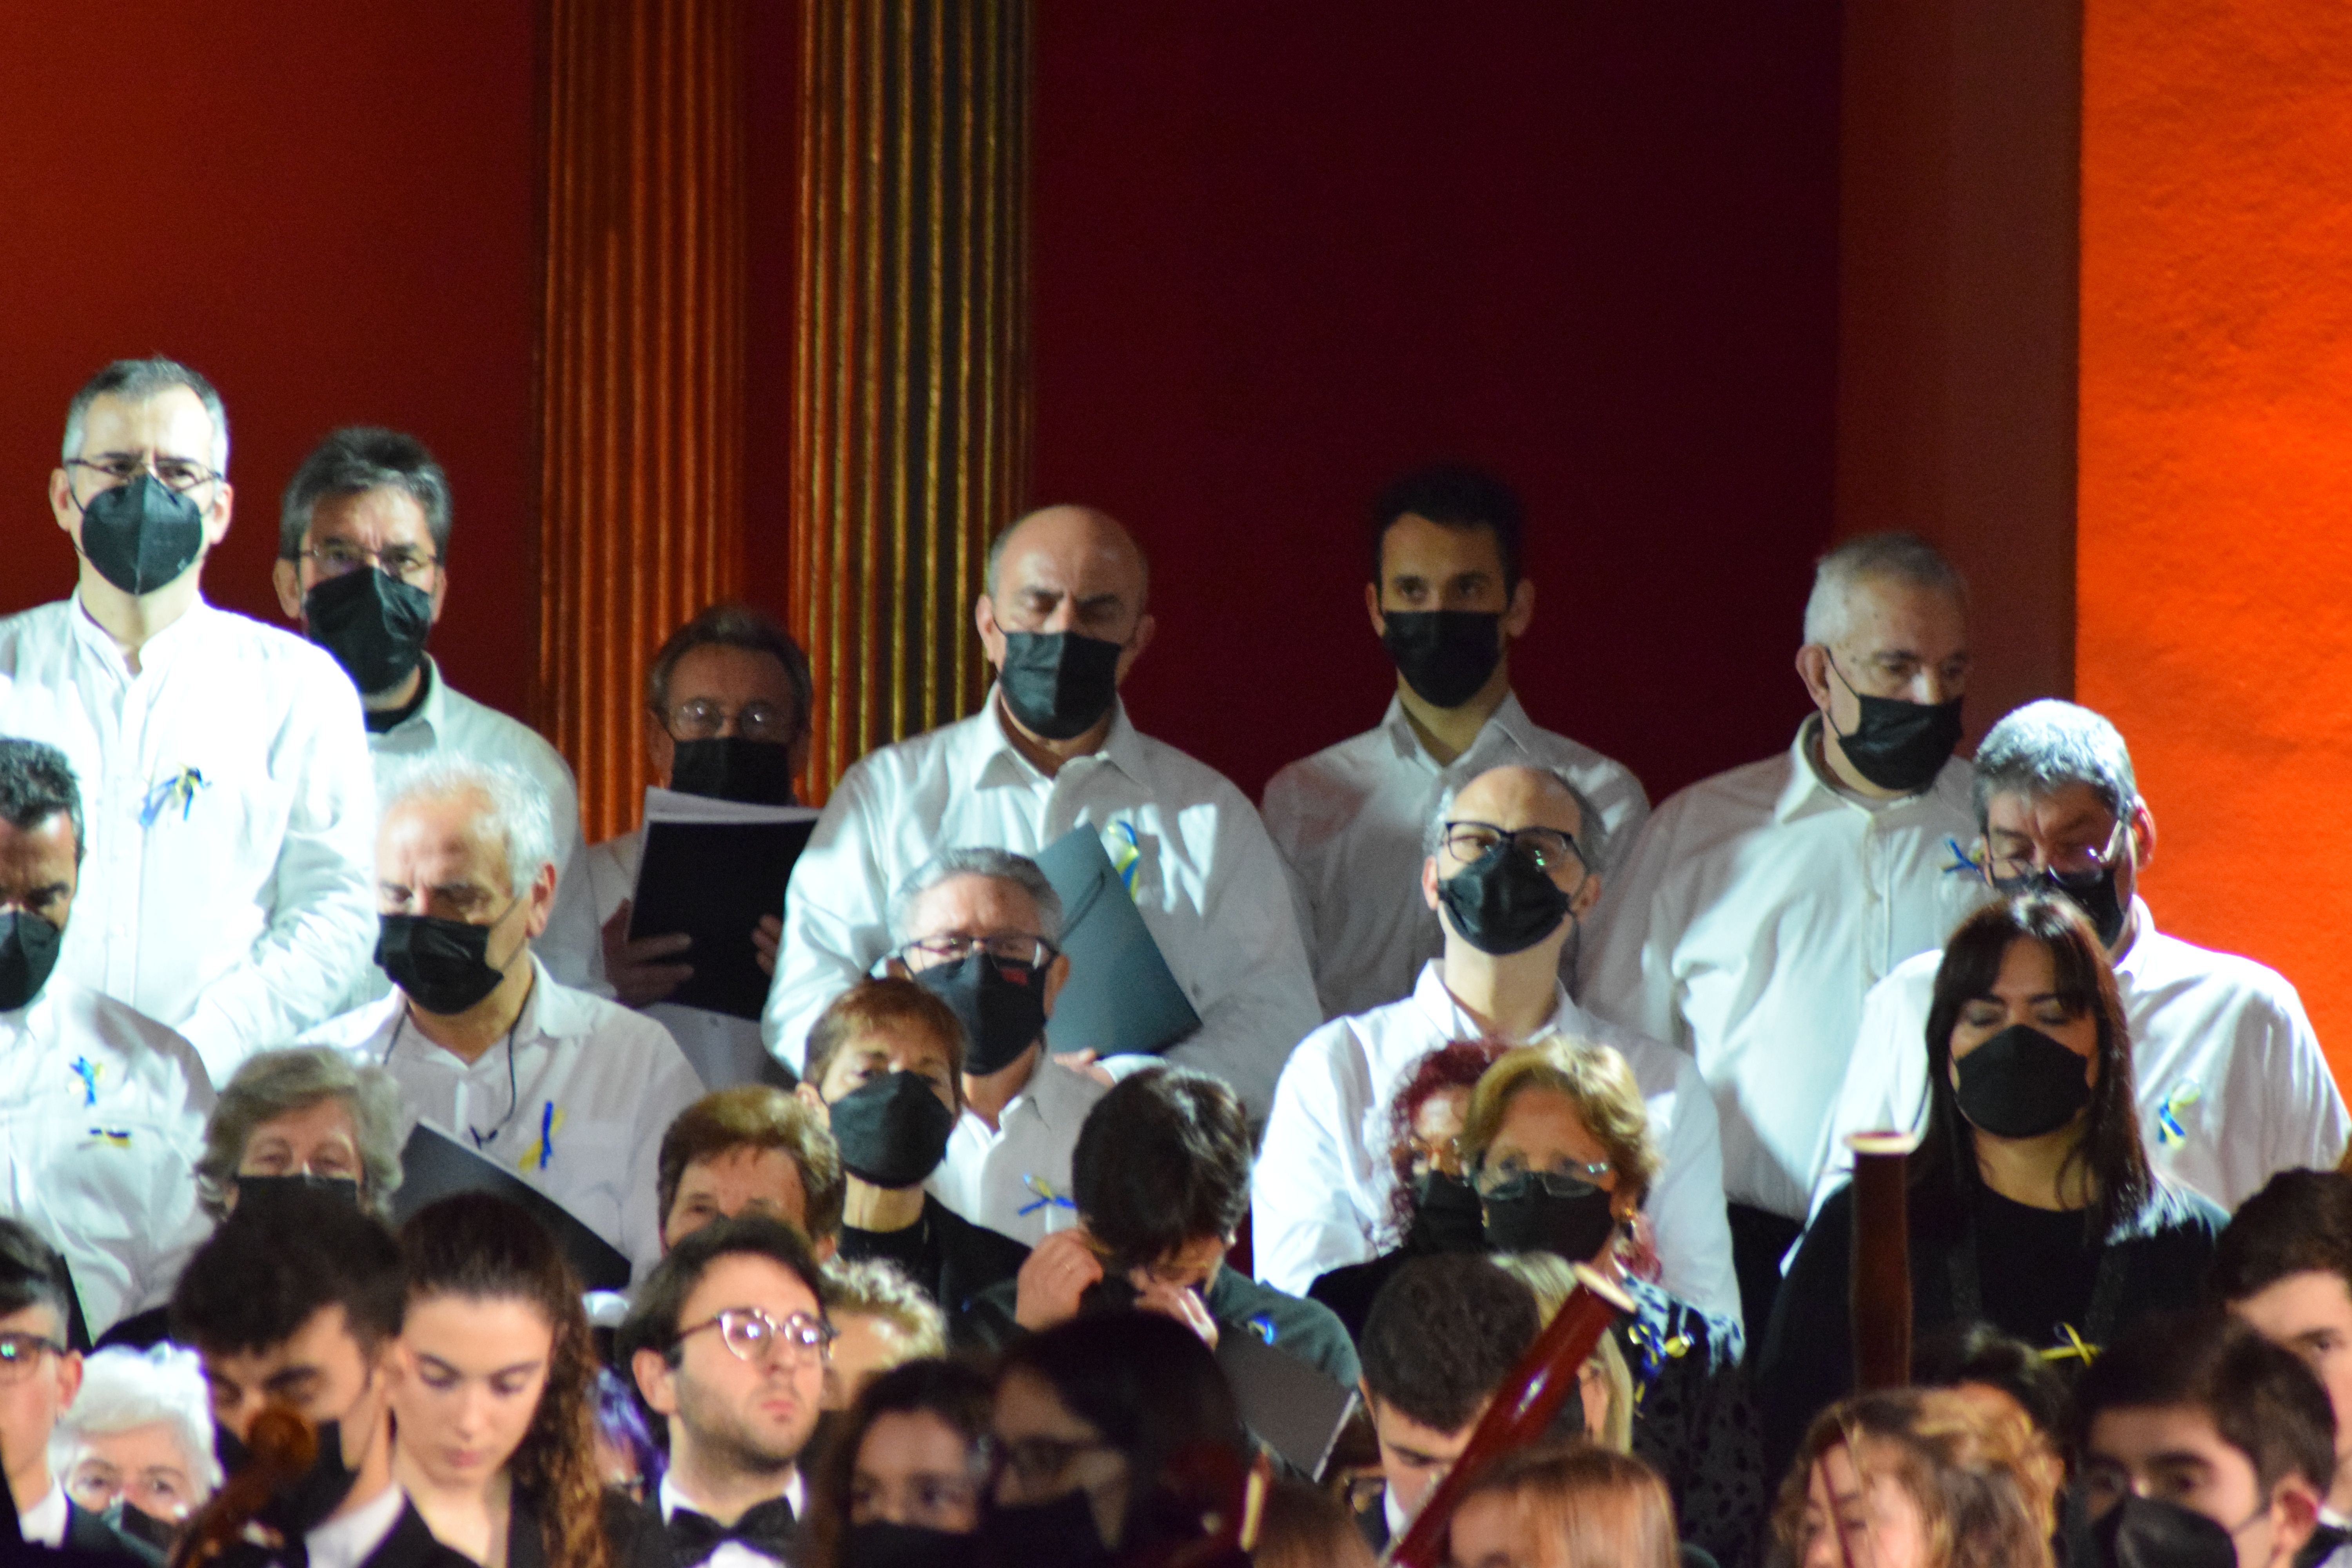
<point x="20" y="1354"/>
<point x="1015" y="952"/>
<point x="1548" y="847"/>
<point x="179" y="475"/>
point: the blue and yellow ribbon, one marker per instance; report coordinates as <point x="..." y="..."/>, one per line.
<point x="1963" y="863"/>
<point x="1126" y="854"/>
<point x="536" y="1157"/>
<point x="119" y="1137"/>
<point x="2077" y="1348"/>
<point x="87" y="1070"/>
<point x="179" y="789"/>
<point x="1046" y="1197"/>
<point x="2170" y="1133"/>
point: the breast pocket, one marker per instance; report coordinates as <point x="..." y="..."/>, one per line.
<point x="584" y="1163"/>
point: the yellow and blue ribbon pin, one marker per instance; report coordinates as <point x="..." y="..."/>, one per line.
<point x="2077" y="1348"/>
<point x="1046" y="1197"/>
<point x="87" y="1070"/>
<point x="179" y="789"/>
<point x="535" y="1158"/>
<point x="1126" y="853"/>
<point x="2169" y="1134"/>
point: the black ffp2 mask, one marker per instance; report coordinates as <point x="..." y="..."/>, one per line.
<point x="443" y="965"/>
<point x="1899" y="745"/>
<point x="1527" y="1214"/>
<point x="141" y="535"/>
<point x="880" y="1543"/>
<point x="1446" y="656"/>
<point x="1061" y="1533"/>
<point x="301" y="1503"/>
<point x="892" y="1131"/>
<point x="2093" y="892"/>
<point x="372" y="623"/>
<point x="1001" y="1018"/>
<point x="2145" y="1532"/>
<point x="28" y="953"/>
<point x="729" y="767"/>
<point x="1058" y="684"/>
<point x="1447" y="1215"/>
<point x="2021" y="1084"/>
<point x="1503" y="903"/>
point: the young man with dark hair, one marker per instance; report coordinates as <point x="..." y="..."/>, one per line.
<point x="2283" y="1267"/>
<point x="300" y="1314"/>
<point x="728" y="1343"/>
<point x="1448" y="598"/>
<point x="752" y="1149"/>
<point x="2202" y="1415"/>
<point x="1162" y="1178"/>
<point x="1442" y="1335"/>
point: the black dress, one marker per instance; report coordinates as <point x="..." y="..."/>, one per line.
<point x="633" y="1530"/>
<point x="947" y="1255"/>
<point x="2038" y="1274"/>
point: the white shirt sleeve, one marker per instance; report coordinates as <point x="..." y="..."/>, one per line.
<point x="1627" y="962"/>
<point x="836" y="907"/>
<point x="322" y="893"/>
<point x="1687" y="1209"/>
<point x="1305" y="1217"/>
<point x="2305" y="1118"/>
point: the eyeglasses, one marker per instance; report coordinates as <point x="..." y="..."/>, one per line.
<point x="1015" y="954"/>
<point x="702" y="719"/>
<point x="1569" y="1179"/>
<point x="19" y="1353"/>
<point x="751" y="1335"/>
<point x="1548" y="847"/>
<point x="1038" y="1462"/>
<point x="336" y="558"/>
<point x="2016" y="874"/>
<point x="179" y="475"/>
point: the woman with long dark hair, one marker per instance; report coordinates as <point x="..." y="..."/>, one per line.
<point x="905" y="1474"/>
<point x="494" y="1396"/>
<point x="2031" y="1206"/>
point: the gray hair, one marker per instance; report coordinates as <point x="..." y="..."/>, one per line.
<point x="878" y="1288"/>
<point x="1592" y="830"/>
<point x="272" y="1084"/>
<point x="518" y="817"/>
<point x="123" y="1389"/>
<point x="141" y="381"/>
<point x="354" y="460"/>
<point x="975" y="860"/>
<point x="2044" y="746"/>
<point x="1905" y="557"/>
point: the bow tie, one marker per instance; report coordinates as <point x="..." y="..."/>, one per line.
<point x="766" y="1527"/>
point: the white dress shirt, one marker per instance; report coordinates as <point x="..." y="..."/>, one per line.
<point x="725" y="1050"/>
<point x="228" y="884"/>
<point x="450" y="723"/>
<point x="731" y="1554"/>
<point x="1015" y="1177"/>
<point x="44" y="1523"/>
<point x="2232" y="1084"/>
<point x="1208" y="881"/>
<point x="1757" y="909"/>
<point x="574" y="1102"/>
<point x="101" y="1120"/>
<point x="349" y="1540"/>
<point x="1350" y="822"/>
<point x="1320" y="1196"/>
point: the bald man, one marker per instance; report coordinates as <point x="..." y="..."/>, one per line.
<point x="1063" y="620"/>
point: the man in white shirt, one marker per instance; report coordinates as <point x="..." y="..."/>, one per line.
<point x="363" y="569"/>
<point x="225" y="774"/>
<point x="730" y="696"/>
<point x="1321" y="1194"/>
<point x="2231" y="1083"/>
<point x="727" y="1343"/>
<point x="1760" y="905"/>
<point x="1446" y="600"/>
<point x="977" y="927"/>
<point x="301" y="1314"/>
<point x="1063" y="621"/>
<point x="101" y="1109"/>
<point x="569" y="1092"/>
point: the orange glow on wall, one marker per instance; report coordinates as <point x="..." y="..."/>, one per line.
<point x="2215" y="543"/>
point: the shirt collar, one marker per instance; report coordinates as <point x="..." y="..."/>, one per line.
<point x="551" y="1011"/>
<point x="429" y="718"/>
<point x="988" y="755"/>
<point x="795" y="1492"/>
<point x="45" y="1522"/>
<point x="155" y="653"/>
<point x="346" y="1541"/>
<point x="1508" y="721"/>
<point x="2129" y="961"/>
<point x="1443" y="1008"/>
<point x="1807" y="791"/>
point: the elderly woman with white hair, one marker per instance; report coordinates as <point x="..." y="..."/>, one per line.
<point x="138" y="1438"/>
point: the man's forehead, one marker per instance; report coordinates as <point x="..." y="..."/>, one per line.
<point x="386" y="512"/>
<point x="725" y="672"/>
<point x="174" y="421"/>
<point x="1070" y="549"/>
<point x="45" y="839"/>
<point x="971" y="904"/>
<point x="1415" y="545"/>
<point x="1517" y="797"/>
<point x="1888" y="614"/>
<point x="442" y="835"/>
<point x="321" y="1334"/>
<point x="2139" y="1433"/>
<point x="2073" y="804"/>
<point x="746" y="1280"/>
<point x="37" y="1318"/>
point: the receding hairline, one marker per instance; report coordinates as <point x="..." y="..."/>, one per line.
<point x="1094" y="518"/>
<point x="996" y="879"/>
<point x="1553" y="786"/>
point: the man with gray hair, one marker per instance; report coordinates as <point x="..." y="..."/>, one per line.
<point x="2232" y="1084"/>
<point x="363" y="569"/>
<point x="570" y="1092"/>
<point x="977" y="928"/>
<point x="1507" y="877"/>
<point x="1760" y="905"/>
<point x="1063" y="620"/>
<point x="227" y="794"/>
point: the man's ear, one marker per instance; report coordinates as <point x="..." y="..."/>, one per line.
<point x="1520" y="611"/>
<point x="806" y="1093"/>
<point x="287" y="578"/>
<point x="1057" y="974"/>
<point x="2143" y="832"/>
<point x="1144" y="629"/>
<point x="992" y="635"/>
<point x="1813" y="670"/>
<point x="440" y="593"/>
<point x="661" y="749"/>
<point x="1372" y="609"/>
<point x="68" y="1378"/>
<point x="1588" y="893"/>
<point x="2295" y="1514"/>
<point x="824" y="1247"/>
<point x="542" y="900"/>
<point x="1429" y="880"/>
<point x="654" y="1379"/>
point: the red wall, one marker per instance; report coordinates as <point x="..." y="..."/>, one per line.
<point x="1284" y="251"/>
<point x="330" y="211"/>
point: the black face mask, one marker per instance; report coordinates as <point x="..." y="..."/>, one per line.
<point x="140" y="536"/>
<point x="1001" y="1018"/>
<point x="1524" y="1215"/>
<point x="443" y="965"/>
<point x="28" y="952"/>
<point x="2141" y="1532"/>
<point x="303" y="1503"/>
<point x="1057" y="1535"/>
<point x="2093" y="892"/>
<point x="260" y="1194"/>
<point x="892" y="1131"/>
<point x="1058" y="684"/>
<point x="1446" y="656"/>
<point x="2022" y="1084"/>
<point x="729" y="767"/>
<point x="878" y="1543"/>
<point x="1502" y="902"/>
<point x="141" y="1525"/>
<point x="1446" y="1216"/>
<point x="1899" y="745"/>
<point x="372" y="623"/>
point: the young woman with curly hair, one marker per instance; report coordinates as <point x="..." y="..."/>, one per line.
<point x="493" y="1396"/>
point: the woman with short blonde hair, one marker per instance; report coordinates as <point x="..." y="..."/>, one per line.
<point x="1564" y="1506"/>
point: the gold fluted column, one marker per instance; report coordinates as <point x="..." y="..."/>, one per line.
<point x="641" y="363"/>
<point x="912" y="427"/>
